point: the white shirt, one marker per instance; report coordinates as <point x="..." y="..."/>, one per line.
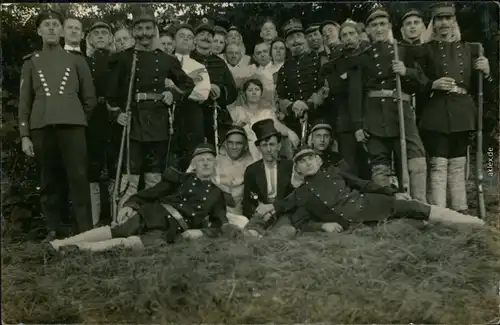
<point x="201" y="89"/>
<point x="72" y="48"/>
<point x="271" y="178"/>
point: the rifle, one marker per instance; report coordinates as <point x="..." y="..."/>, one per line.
<point x="479" y="138"/>
<point x="124" y="141"/>
<point x="303" y="124"/>
<point x="216" y="127"/>
<point x="405" y="181"/>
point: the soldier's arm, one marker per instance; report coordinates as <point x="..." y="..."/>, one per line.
<point x="415" y="78"/>
<point x="288" y="204"/>
<point x="356" y="96"/>
<point x="228" y="90"/>
<point x="86" y="89"/>
<point x="285" y="104"/>
<point x="490" y="92"/>
<point x="114" y="90"/>
<point x="301" y="220"/>
<point x="25" y="99"/>
<point x="180" y="78"/>
<point x="366" y="186"/>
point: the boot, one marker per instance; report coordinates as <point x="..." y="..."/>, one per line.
<point x="382" y="175"/>
<point x="133" y="242"/>
<point x="95" y="200"/>
<point x="93" y="235"/>
<point x="128" y="187"/>
<point x="417" y="168"/>
<point x="439" y="180"/>
<point x="456" y="183"/>
<point x="151" y="179"/>
<point x="449" y="216"/>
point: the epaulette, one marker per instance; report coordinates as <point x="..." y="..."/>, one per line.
<point x="26" y="57"/>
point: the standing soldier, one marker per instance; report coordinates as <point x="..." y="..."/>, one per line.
<point x="223" y="90"/>
<point x="451" y="65"/>
<point x="378" y="124"/>
<point x="73" y="35"/>
<point x="412" y="27"/>
<point x="341" y="86"/>
<point x="299" y="84"/>
<point x="150" y="107"/>
<point x="56" y="97"/>
<point x="330" y="31"/>
<point x="102" y="136"/>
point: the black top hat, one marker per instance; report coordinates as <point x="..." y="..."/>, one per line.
<point x="412" y="13"/>
<point x="49" y="14"/>
<point x="99" y="24"/>
<point x="442" y="9"/>
<point x="204" y="25"/>
<point x="143" y="13"/>
<point x="292" y="26"/>
<point x="378" y="12"/>
<point x="204" y="148"/>
<point x="320" y="124"/>
<point x="264" y="129"/>
<point x="312" y="28"/>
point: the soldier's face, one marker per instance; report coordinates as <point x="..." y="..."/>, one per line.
<point x="233" y="37"/>
<point x="270" y="149"/>
<point x="235" y="145"/>
<point x="204" y="165"/>
<point x="218" y="43"/>
<point x="184" y="40"/>
<point x="296" y="43"/>
<point x="315" y="40"/>
<point x="350" y="37"/>
<point x="330" y="34"/>
<point x="123" y="40"/>
<point x="261" y="54"/>
<point x="204" y="40"/>
<point x="444" y="24"/>
<point x="144" y="32"/>
<point x="50" y="31"/>
<point x="253" y="93"/>
<point x="233" y="54"/>
<point x="100" y="38"/>
<point x="308" y="165"/>
<point x="278" y="52"/>
<point x="321" y="139"/>
<point x="378" y="29"/>
<point x="413" y="27"/>
<point x="167" y="44"/>
<point x="268" y="32"/>
<point x="72" y="32"/>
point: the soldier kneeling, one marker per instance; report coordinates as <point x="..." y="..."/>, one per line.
<point x="332" y="199"/>
<point x="189" y="205"/>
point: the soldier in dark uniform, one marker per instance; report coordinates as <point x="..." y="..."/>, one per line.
<point x="189" y="205"/>
<point x="321" y="140"/>
<point x="341" y="86"/>
<point x="377" y="119"/>
<point x="102" y="136"/>
<point x="151" y="101"/>
<point x="451" y="66"/>
<point x="330" y="31"/>
<point x="412" y="27"/>
<point x="56" y="98"/>
<point x="223" y="89"/>
<point x="300" y="87"/>
<point x="315" y="41"/>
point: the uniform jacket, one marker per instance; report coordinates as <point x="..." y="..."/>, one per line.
<point x="379" y="116"/>
<point x="335" y="195"/>
<point x="99" y="67"/>
<point x="454" y="60"/>
<point x="150" y="120"/>
<point x="199" y="202"/>
<point x="330" y="158"/>
<point x="56" y="88"/>
<point x="255" y="189"/>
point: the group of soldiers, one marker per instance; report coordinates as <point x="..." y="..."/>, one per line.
<point x="344" y="86"/>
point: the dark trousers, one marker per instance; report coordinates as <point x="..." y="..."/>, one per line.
<point x="354" y="154"/>
<point x="380" y="149"/>
<point x="149" y="157"/>
<point x="57" y="148"/>
<point x="189" y="131"/>
<point x="452" y="145"/>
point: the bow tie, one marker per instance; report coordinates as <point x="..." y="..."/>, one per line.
<point x="71" y="48"/>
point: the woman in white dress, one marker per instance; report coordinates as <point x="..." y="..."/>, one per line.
<point x="254" y="109"/>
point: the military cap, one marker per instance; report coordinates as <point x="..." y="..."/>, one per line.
<point x="204" y="148"/>
<point x="169" y="31"/>
<point x="440" y="9"/>
<point x="349" y="23"/>
<point x="143" y="13"/>
<point x="49" y="14"/>
<point x="204" y="26"/>
<point x="264" y="129"/>
<point x="379" y="12"/>
<point x="99" y="24"/>
<point x="236" y="129"/>
<point x="185" y="26"/>
<point x="233" y="28"/>
<point x="312" y="28"/>
<point x="321" y="124"/>
<point x="328" y="22"/>
<point x="412" y="13"/>
<point x="292" y="26"/>
<point x="303" y="152"/>
<point x="220" y="30"/>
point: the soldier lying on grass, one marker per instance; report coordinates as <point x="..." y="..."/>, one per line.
<point x="189" y="205"/>
<point x="330" y="200"/>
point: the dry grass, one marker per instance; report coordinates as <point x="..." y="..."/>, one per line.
<point x="390" y="274"/>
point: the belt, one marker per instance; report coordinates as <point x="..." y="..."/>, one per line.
<point x="148" y="96"/>
<point x="177" y="216"/>
<point x="388" y="93"/>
